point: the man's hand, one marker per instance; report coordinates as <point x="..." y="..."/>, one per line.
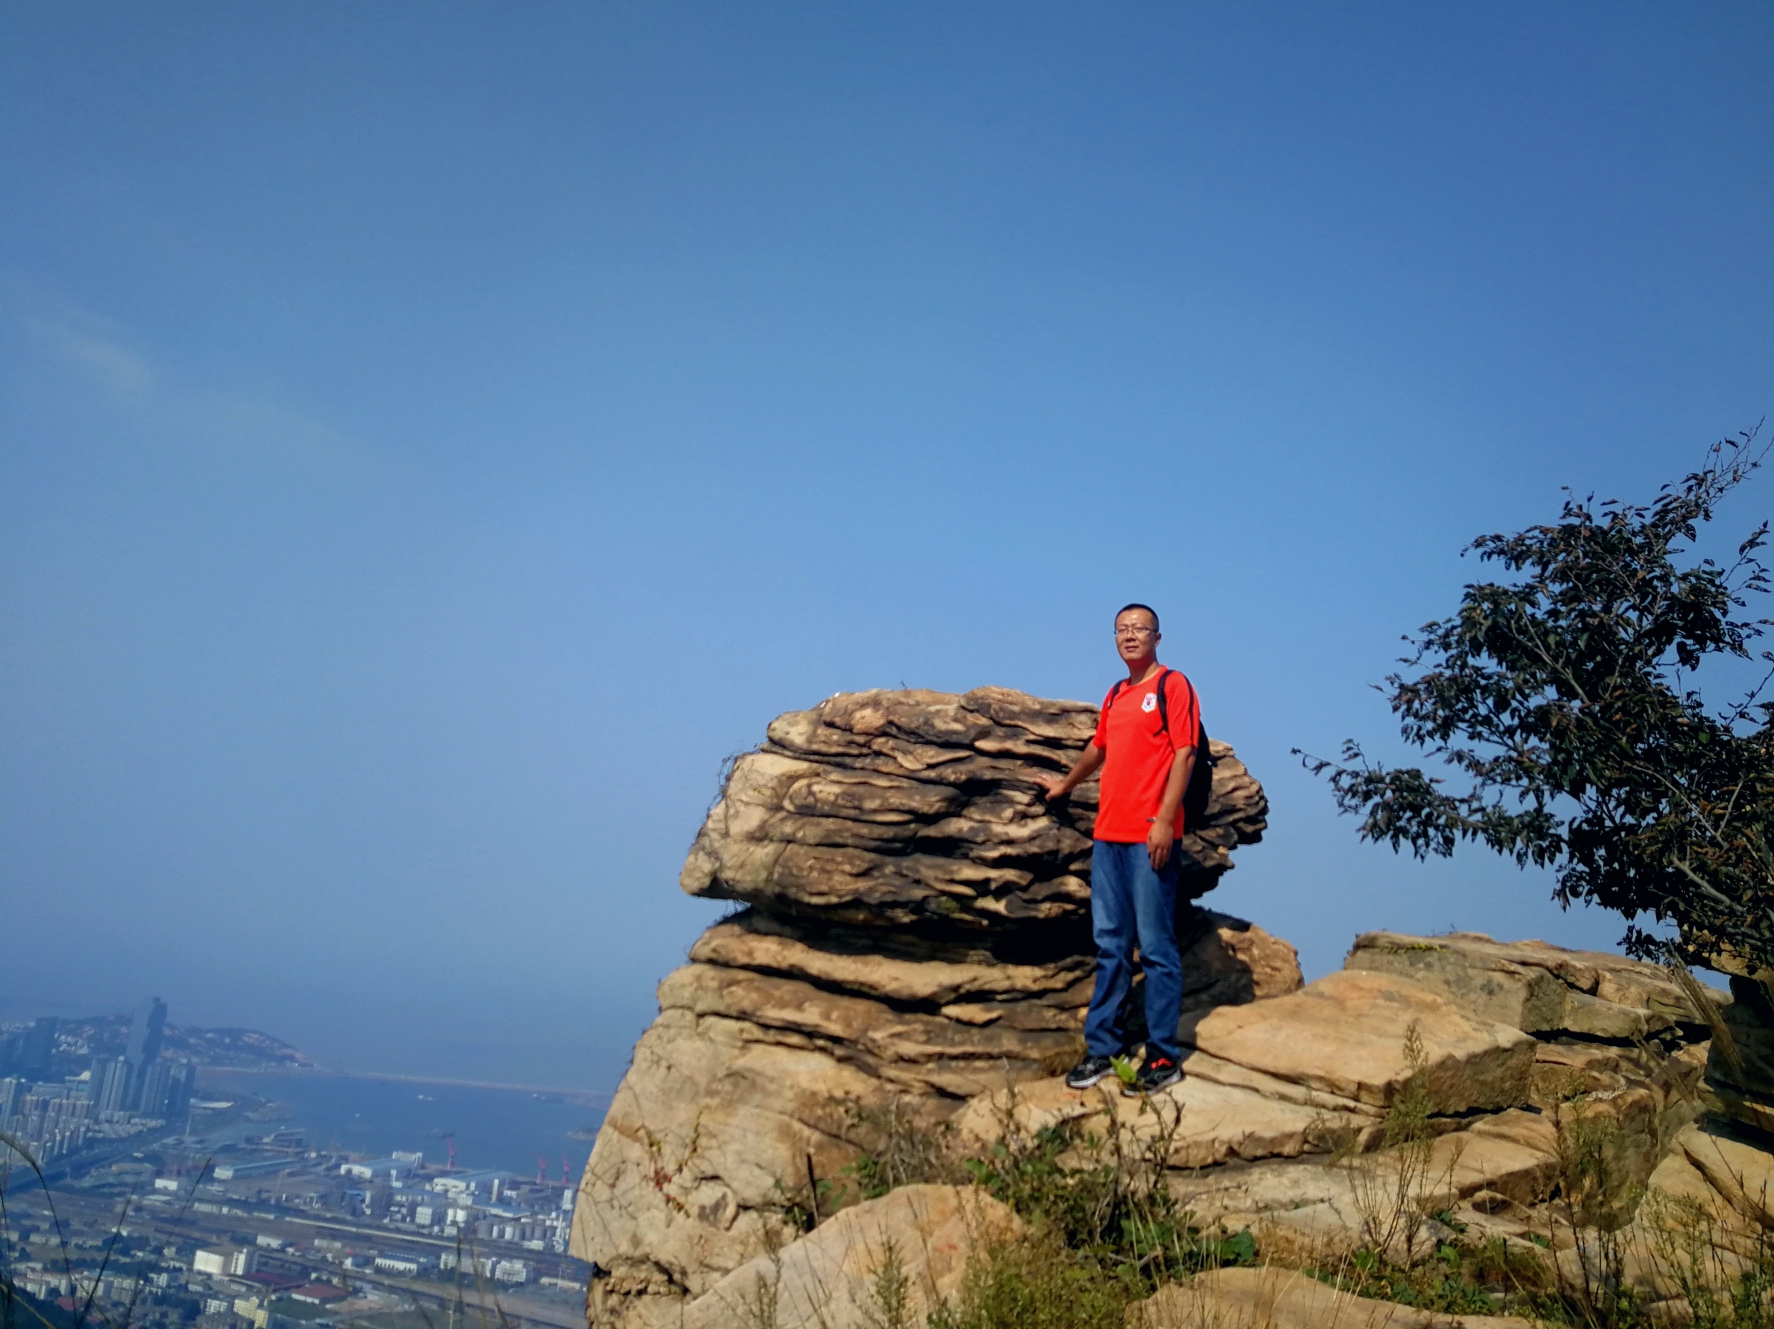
<point x="1158" y="842"/>
<point x="1058" y="786"/>
<point x="1163" y="832"/>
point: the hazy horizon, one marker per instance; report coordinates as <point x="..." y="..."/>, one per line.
<point x="432" y="438"/>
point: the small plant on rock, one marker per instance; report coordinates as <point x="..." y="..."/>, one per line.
<point x="1392" y="1188"/>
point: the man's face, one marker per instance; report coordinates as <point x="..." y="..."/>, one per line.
<point x="1136" y="635"/>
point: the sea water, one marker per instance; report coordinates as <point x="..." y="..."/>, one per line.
<point x="492" y="1128"/>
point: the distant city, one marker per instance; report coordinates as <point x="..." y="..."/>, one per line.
<point x="172" y="1208"/>
<point x="113" y="1098"/>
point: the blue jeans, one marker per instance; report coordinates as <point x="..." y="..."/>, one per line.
<point x="1129" y="901"/>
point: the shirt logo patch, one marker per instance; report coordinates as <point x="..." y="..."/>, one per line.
<point x="1150" y="703"/>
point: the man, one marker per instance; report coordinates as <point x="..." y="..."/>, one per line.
<point x="1147" y="752"/>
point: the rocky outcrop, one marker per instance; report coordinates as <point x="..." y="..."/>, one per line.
<point x="907" y="977"/>
<point x="780" y="1059"/>
<point x="894" y="809"/>
<point x="1275" y="1298"/>
<point x="1535" y="987"/>
<point x="915" y="935"/>
<point x="1516" y="1042"/>
<point x="1280" y="1125"/>
<point x="891" y="1260"/>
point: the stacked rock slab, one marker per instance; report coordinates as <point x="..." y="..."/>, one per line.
<point x="1280" y="1123"/>
<point x="898" y="809"/>
<point x="915" y="934"/>
<point x="1518" y="1040"/>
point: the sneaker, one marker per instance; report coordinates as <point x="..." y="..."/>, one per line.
<point x="1155" y="1073"/>
<point x="1088" y="1072"/>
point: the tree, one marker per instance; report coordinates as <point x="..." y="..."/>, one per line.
<point x="1567" y="706"/>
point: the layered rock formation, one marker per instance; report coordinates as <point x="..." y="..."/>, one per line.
<point x="1503" y="1038"/>
<point x="916" y="934"/>
<point x="902" y="809"/>
<point x="908" y="976"/>
<point x="1514" y="1040"/>
<point x="831" y="1277"/>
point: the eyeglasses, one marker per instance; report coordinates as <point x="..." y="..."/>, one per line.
<point x="1134" y="630"/>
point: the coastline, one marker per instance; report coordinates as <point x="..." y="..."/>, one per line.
<point x="584" y="1097"/>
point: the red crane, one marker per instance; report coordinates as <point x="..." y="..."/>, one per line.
<point x="566" y="1176"/>
<point x="541" y="1170"/>
<point x="451" y="1141"/>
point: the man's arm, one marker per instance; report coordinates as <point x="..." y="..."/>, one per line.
<point x="1158" y="839"/>
<point x="1082" y="769"/>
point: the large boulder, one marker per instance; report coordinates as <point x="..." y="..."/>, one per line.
<point x="1511" y="1109"/>
<point x="908" y="978"/>
<point x="914" y="808"/>
<point x="916" y="936"/>
<point x="1351" y="1035"/>
<point x="1537" y="987"/>
<point x="783" y="1056"/>
<point x="1281" y="1299"/>
<point x="1741" y="1070"/>
<point x="891" y="1260"/>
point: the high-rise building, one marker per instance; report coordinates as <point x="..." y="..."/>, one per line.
<point x="146" y="1032"/>
<point x="180" y="1083"/>
<point x="11" y="1090"/>
<point x="39" y="1048"/>
<point x="12" y="1046"/>
<point x="109" y="1084"/>
<point x="166" y="1089"/>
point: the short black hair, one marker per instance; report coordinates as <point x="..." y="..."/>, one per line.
<point x="1137" y="605"/>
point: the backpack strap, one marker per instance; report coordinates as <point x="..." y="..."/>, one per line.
<point x="1201" y="753"/>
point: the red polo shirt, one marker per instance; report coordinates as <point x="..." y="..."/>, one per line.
<point x="1137" y="752"/>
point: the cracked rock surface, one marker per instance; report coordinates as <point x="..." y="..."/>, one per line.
<point x="915" y="934"/>
<point x="917" y="808"/>
<point x="910" y="965"/>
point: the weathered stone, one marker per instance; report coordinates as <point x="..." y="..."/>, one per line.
<point x="1632" y="1128"/>
<point x="1275" y="1298"/>
<point x="916" y="808"/>
<point x="1235" y="962"/>
<point x="1229" y="961"/>
<point x="1565" y="1069"/>
<point x="1514" y="1155"/>
<point x="912" y="1048"/>
<point x="1676" y="1177"/>
<point x="836" y="1275"/>
<point x="1197" y="1124"/>
<point x="1740" y="1070"/>
<point x="1740" y="1171"/>
<point x="711" y="1133"/>
<point x="777" y="1041"/>
<point x="1199" y="1065"/>
<point x="913" y="971"/>
<point x="1316" y="1195"/>
<point x="750" y="942"/>
<point x="1535" y="987"/>
<point x="1482" y="982"/>
<point x="1346" y="1033"/>
<point x="1611" y="1019"/>
<point x="1687" y="1228"/>
<point x="1309" y="1210"/>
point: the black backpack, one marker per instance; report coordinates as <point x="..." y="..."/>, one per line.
<point x="1200" y="788"/>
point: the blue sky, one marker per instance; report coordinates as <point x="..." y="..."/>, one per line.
<point x="433" y="436"/>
